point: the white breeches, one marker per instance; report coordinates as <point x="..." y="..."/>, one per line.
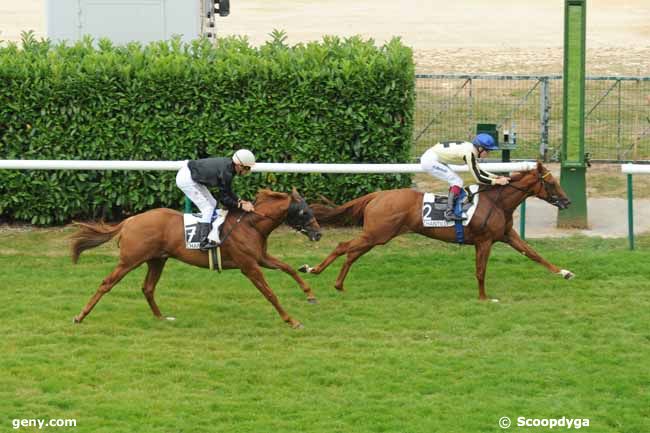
<point x="429" y="163"/>
<point x="199" y="194"/>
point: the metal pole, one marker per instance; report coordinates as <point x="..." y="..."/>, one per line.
<point x="522" y="220"/>
<point x="470" y="105"/>
<point x="544" y="114"/>
<point x="573" y="172"/>
<point x="618" y="121"/>
<point x="630" y="212"/>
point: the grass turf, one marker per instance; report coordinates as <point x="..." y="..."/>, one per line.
<point x="407" y="348"/>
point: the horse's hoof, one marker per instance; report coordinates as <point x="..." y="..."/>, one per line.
<point x="170" y="318"/>
<point x="75" y="320"/>
<point x="305" y="269"/>
<point x="312" y="300"/>
<point x="339" y="288"/>
<point x="297" y="325"/>
<point x="495" y="300"/>
<point x="567" y="275"/>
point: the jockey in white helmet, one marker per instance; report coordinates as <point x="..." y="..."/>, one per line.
<point x="196" y="176"/>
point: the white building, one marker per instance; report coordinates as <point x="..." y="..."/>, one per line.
<point x="125" y="21"/>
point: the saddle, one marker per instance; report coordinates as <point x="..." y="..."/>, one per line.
<point x="189" y="226"/>
<point x="433" y="208"/>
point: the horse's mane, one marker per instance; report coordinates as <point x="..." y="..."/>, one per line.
<point x="267" y="195"/>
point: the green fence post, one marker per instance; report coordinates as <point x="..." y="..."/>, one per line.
<point x="188" y="205"/>
<point x="522" y="220"/>
<point x="630" y="212"/>
<point x="573" y="169"/>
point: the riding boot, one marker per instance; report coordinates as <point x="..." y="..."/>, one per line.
<point x="449" y="212"/>
<point x="203" y="230"/>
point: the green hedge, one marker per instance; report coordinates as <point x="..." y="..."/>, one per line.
<point x="338" y="100"/>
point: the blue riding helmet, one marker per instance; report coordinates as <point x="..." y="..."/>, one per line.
<point x="485" y="141"/>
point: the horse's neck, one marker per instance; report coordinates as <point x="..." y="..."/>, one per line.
<point x="270" y="217"/>
<point x="509" y="198"/>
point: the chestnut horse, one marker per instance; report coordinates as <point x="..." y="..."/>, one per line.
<point x="387" y="214"/>
<point x="158" y="234"/>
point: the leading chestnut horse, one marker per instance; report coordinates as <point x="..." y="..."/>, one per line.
<point x="154" y="236"/>
<point x="387" y="214"/>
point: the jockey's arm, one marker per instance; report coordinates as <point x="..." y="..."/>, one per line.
<point x="481" y="176"/>
<point x="227" y="197"/>
<point x="231" y="201"/>
<point x="488" y="174"/>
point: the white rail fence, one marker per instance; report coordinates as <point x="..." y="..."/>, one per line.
<point x="37" y="164"/>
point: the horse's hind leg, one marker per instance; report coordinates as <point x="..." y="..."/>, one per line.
<point x="118" y="273"/>
<point x="355" y="249"/>
<point x="273" y="263"/>
<point x="156" y="267"/>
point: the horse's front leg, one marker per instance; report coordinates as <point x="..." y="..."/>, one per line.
<point x="254" y="273"/>
<point x="483" y="249"/>
<point x="520" y="245"/>
<point x="273" y="263"/>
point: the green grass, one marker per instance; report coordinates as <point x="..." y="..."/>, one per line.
<point x="407" y="348"/>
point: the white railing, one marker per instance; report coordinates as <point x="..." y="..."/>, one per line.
<point x="629" y="170"/>
<point x="635" y="168"/>
<point x="34" y="164"/>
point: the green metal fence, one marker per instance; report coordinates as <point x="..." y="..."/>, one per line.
<point x="617" y="113"/>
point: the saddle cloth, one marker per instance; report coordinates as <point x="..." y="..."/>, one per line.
<point x="433" y="208"/>
<point x="189" y="225"/>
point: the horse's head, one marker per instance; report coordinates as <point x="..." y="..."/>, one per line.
<point x="301" y="218"/>
<point x="288" y="208"/>
<point x="546" y="187"/>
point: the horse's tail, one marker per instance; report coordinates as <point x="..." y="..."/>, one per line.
<point x="91" y="235"/>
<point x="347" y="214"/>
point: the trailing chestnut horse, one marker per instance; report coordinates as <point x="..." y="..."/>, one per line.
<point x="387" y="214"/>
<point x="154" y="236"/>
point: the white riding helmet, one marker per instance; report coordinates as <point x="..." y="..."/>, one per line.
<point x="244" y="157"/>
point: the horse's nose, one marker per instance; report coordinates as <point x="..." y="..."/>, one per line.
<point x="317" y="236"/>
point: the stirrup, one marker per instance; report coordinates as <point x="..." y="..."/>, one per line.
<point x="451" y="216"/>
<point x="207" y="245"/>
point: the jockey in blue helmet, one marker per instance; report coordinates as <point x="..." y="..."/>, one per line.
<point x="436" y="159"/>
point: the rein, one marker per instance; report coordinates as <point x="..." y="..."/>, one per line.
<point x="299" y="226"/>
<point x="240" y="218"/>
<point x="528" y="192"/>
<point x="296" y="225"/>
<point x="263" y="215"/>
<point x="237" y="221"/>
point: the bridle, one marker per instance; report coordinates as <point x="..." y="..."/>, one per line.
<point x="540" y="181"/>
<point x="290" y="219"/>
<point x="293" y="218"/>
<point x="529" y="192"/>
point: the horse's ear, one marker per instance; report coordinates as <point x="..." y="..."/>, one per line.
<point x="294" y="193"/>
<point x="540" y="167"/>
